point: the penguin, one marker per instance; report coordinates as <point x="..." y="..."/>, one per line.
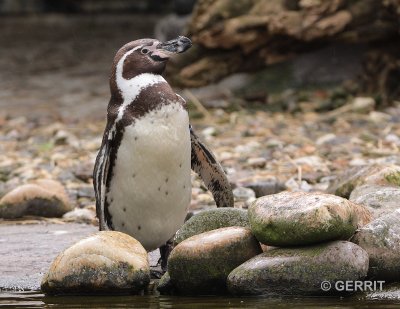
<point x="142" y="173"/>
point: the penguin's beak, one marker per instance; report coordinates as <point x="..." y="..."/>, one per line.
<point x="176" y="46"/>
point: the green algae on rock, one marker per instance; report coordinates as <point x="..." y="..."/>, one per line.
<point x="211" y="220"/>
<point x="300" y="218"/>
<point x="299" y="271"/>
<point x="44" y="198"/>
<point x="165" y="285"/>
<point x="376" y="174"/>
<point x="201" y="263"/>
<point x="106" y="262"/>
<point x="381" y="240"/>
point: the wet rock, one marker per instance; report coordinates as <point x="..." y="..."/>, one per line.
<point x="201" y="263"/>
<point x="376" y="174"/>
<point x="106" y="262"/>
<point x="381" y="240"/>
<point x="299" y="271"/>
<point x="211" y="220"/>
<point x="81" y="215"/>
<point x="265" y="187"/>
<point x="165" y="285"/>
<point x="46" y="198"/>
<point x="300" y="218"/>
<point x="379" y="200"/>
<point x="389" y="292"/>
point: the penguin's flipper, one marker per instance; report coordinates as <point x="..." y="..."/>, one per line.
<point x="211" y="172"/>
<point x="100" y="175"/>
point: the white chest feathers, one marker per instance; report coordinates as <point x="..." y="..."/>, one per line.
<point x="151" y="187"/>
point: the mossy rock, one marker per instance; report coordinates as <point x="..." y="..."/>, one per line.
<point x="165" y="285"/>
<point x="300" y="218"/>
<point x="107" y="262"/>
<point x="376" y="174"/>
<point x="211" y="220"/>
<point x="299" y="271"/>
<point x="381" y="239"/>
<point x="201" y="263"/>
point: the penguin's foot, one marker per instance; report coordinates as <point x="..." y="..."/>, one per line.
<point x="165" y="251"/>
<point x="156" y="273"/>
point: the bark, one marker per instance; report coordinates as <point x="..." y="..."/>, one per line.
<point x="239" y="35"/>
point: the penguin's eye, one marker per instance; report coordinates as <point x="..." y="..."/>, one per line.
<point x="144" y="51"/>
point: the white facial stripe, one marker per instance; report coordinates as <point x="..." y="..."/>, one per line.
<point x="131" y="88"/>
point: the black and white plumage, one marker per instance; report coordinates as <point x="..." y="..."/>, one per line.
<point x="142" y="172"/>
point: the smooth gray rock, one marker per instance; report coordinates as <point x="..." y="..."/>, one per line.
<point x="379" y="200"/>
<point x="211" y="220"/>
<point x="201" y="263"/>
<point x="300" y="218"/>
<point x="299" y="271"/>
<point x="381" y="239"/>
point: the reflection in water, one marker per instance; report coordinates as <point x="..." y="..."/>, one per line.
<point x="36" y="300"/>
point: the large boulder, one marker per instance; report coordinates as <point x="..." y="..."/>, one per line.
<point x="381" y="240"/>
<point x="300" y="218"/>
<point x="211" y="220"/>
<point x="201" y="263"/>
<point x="376" y="174"/>
<point x="44" y="198"/>
<point x="379" y="200"/>
<point x="107" y="262"/>
<point x="300" y="271"/>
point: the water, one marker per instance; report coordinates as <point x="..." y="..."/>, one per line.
<point x="38" y="300"/>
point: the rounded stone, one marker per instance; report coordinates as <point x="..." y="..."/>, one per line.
<point x="381" y="240"/>
<point x="211" y="220"/>
<point x="165" y="286"/>
<point x="300" y="218"/>
<point x="376" y="174"/>
<point x="299" y="271"/>
<point x="379" y="200"/>
<point x="44" y="198"/>
<point x="106" y="262"/>
<point x="201" y="263"/>
<point x="265" y="187"/>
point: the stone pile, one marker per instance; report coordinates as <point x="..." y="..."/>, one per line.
<point x="289" y="243"/>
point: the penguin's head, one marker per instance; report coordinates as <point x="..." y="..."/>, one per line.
<point x="147" y="55"/>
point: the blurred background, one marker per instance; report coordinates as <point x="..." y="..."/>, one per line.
<point x="55" y="55"/>
<point x="286" y="93"/>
